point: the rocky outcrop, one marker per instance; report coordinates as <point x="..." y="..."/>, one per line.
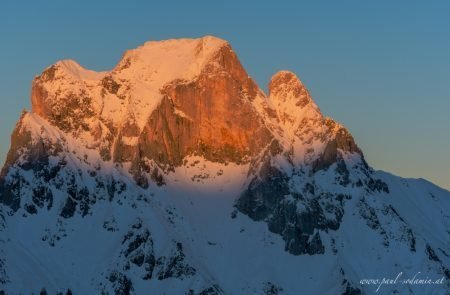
<point x="342" y="142"/>
<point x="196" y="116"/>
<point x="54" y="98"/>
<point x="23" y="145"/>
<point x="199" y="117"/>
<point x="270" y="197"/>
<point x="27" y="154"/>
<point x="137" y="255"/>
<point x="285" y="86"/>
<point x="322" y="141"/>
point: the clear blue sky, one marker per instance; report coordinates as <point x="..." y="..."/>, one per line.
<point x="382" y="68"/>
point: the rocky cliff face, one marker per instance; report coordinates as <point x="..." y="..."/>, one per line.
<point x="135" y="112"/>
<point x="175" y="173"/>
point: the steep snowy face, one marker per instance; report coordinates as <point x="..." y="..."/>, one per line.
<point x="308" y="137"/>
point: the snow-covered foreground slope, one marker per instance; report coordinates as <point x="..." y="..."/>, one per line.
<point x="175" y="174"/>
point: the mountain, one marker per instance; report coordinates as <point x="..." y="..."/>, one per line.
<point x="174" y="173"/>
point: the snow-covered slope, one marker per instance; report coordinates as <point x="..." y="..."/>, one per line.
<point x="175" y="174"/>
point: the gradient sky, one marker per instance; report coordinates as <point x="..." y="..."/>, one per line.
<point x="382" y="68"/>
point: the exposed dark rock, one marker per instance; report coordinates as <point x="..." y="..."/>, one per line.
<point x="269" y="198"/>
<point x="369" y="214"/>
<point x="271" y="289"/>
<point x="157" y="177"/>
<point x="139" y="176"/>
<point x="110" y="85"/>
<point x="34" y="155"/>
<point x="328" y="157"/>
<point x="30" y="208"/>
<point x="431" y="254"/>
<point x="3" y="276"/>
<point x="175" y="265"/>
<point x="138" y="249"/>
<point x="343" y="173"/>
<point x="350" y="290"/>
<point x="213" y="290"/>
<point x="42" y="195"/>
<point x="69" y="208"/>
<point x="412" y="239"/>
<point x="377" y="185"/>
<point x="121" y="283"/>
<point x="110" y="225"/>
<point x="68" y="113"/>
<point x="263" y="194"/>
<point x="49" y="73"/>
<point x="10" y="192"/>
<point x="446" y="273"/>
<point x="342" y="141"/>
<point x="275" y="148"/>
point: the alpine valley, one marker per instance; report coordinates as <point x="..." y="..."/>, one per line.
<point x="174" y="173"/>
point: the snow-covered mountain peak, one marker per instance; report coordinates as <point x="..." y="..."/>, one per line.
<point x="109" y="110"/>
<point x="283" y="77"/>
<point x="173" y="173"/>
<point x="75" y="70"/>
<point x="130" y="92"/>
<point x="289" y="93"/>
<point x="160" y="62"/>
<point x="182" y="45"/>
<point x="302" y="127"/>
<point x="291" y="100"/>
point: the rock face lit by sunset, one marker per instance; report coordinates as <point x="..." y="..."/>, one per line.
<point x="175" y="173"/>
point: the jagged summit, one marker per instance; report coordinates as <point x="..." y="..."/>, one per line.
<point x="146" y="70"/>
<point x="134" y="85"/>
<point x="291" y="100"/>
<point x="285" y="85"/>
<point x="166" y="100"/>
<point x="174" y="173"/>
<point x="189" y="55"/>
<point x="284" y="77"/>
